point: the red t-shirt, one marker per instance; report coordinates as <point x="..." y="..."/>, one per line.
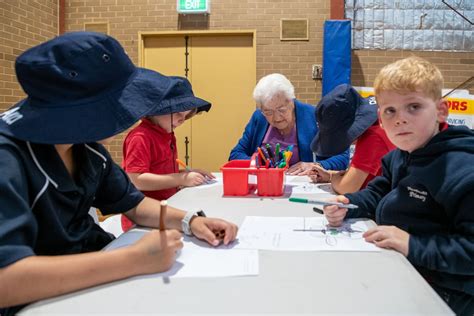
<point x="370" y="147"/>
<point x="149" y="148"/>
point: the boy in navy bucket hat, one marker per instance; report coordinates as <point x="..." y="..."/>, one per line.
<point x="150" y="150"/>
<point x="344" y="117"/>
<point x="82" y="89"/>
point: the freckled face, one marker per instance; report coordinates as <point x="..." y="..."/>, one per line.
<point x="412" y="119"/>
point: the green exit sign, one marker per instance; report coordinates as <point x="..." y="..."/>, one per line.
<point x="193" y="6"/>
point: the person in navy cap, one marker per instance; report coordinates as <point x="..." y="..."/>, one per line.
<point x="82" y="89"/>
<point x="344" y="117"/>
<point x="150" y="152"/>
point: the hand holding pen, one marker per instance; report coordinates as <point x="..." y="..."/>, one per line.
<point x="156" y="250"/>
<point x="182" y="164"/>
<point x="335" y="210"/>
<point x="323" y="202"/>
<point x="194" y="177"/>
<point x="335" y="214"/>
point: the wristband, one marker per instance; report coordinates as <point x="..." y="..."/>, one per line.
<point x="185" y="222"/>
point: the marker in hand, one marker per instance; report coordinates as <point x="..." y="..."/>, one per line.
<point x="182" y="164"/>
<point x="324" y="203"/>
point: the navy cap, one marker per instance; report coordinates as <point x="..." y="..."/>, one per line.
<point x="342" y="116"/>
<point x="180" y="98"/>
<point x="81" y="87"/>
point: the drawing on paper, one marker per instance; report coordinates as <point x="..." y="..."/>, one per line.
<point x="302" y="234"/>
<point x="348" y="230"/>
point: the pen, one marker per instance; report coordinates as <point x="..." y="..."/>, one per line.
<point x="324" y="203"/>
<point x="163" y="205"/>
<point x="265" y="153"/>
<point x="282" y="164"/>
<point x="318" y="210"/>
<point x="262" y="155"/>
<point x="288" y="158"/>
<point x="270" y="152"/>
<point x="182" y="164"/>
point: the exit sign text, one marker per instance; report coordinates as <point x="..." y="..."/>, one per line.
<point x="193" y="6"/>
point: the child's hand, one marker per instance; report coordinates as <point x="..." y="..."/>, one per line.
<point x="335" y="215"/>
<point x="390" y="237"/>
<point x="191" y="179"/>
<point x="156" y="251"/>
<point x="318" y="174"/>
<point x="213" y="230"/>
<point x="205" y="173"/>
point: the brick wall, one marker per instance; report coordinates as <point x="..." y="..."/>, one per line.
<point x="28" y="22"/>
<point x="292" y="58"/>
<point x="23" y="24"/>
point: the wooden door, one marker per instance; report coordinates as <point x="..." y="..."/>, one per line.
<point x="165" y="54"/>
<point x="222" y="70"/>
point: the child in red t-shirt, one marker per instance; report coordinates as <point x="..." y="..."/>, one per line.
<point x="149" y="150"/>
<point x="344" y="117"/>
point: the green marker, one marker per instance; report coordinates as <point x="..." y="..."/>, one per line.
<point x="324" y="203"/>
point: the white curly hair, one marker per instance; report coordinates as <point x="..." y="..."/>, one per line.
<point x="271" y="85"/>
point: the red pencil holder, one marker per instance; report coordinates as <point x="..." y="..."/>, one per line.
<point x="270" y="182"/>
<point x="235" y="176"/>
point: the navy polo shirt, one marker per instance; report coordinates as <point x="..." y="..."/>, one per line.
<point x="44" y="211"/>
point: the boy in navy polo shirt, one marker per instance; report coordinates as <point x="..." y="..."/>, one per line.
<point x="82" y="88"/>
<point x="424" y="200"/>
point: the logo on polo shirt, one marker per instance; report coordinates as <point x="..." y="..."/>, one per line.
<point x="417" y="194"/>
<point x="11" y="116"/>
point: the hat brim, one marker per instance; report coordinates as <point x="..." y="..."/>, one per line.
<point x="182" y="104"/>
<point x="92" y="119"/>
<point x="326" y="145"/>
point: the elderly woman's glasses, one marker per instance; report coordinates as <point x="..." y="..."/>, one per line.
<point x="281" y="110"/>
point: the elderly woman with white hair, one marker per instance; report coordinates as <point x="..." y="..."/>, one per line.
<point x="280" y="118"/>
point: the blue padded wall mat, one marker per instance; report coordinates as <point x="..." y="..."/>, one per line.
<point x="336" y="54"/>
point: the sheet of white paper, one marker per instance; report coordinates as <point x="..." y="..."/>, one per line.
<point x="198" y="259"/>
<point x="295" y="180"/>
<point x="312" y="188"/>
<point x="302" y="233"/>
<point x="210" y="183"/>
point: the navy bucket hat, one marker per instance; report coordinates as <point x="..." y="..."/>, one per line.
<point x="180" y="98"/>
<point x="81" y="87"/>
<point x="342" y="116"/>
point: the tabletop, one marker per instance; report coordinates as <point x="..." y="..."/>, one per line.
<point x="296" y="282"/>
